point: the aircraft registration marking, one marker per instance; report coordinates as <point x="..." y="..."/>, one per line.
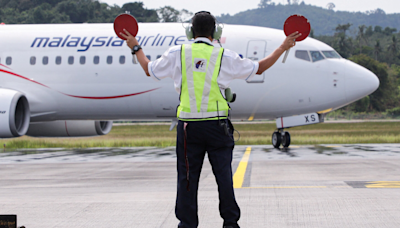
<point x="238" y="178"/>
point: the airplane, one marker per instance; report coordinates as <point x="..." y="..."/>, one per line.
<point x="60" y="80"/>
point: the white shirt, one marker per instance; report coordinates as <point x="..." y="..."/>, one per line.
<point x="232" y="67"/>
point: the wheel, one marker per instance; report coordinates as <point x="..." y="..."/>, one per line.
<point x="276" y="139"/>
<point x="286" y="140"/>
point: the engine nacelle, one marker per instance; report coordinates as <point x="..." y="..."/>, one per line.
<point x="14" y="113"/>
<point x="70" y="128"/>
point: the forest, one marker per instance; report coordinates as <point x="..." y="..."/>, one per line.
<point x="370" y="39"/>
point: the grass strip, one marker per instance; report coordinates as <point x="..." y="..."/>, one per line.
<point x="250" y="134"/>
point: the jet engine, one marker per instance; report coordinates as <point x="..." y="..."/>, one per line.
<point x="14" y="113"/>
<point x="69" y="128"/>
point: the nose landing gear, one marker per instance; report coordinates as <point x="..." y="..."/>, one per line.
<point x="281" y="137"/>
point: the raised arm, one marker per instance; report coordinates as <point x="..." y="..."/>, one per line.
<point x="270" y="60"/>
<point x="131" y="42"/>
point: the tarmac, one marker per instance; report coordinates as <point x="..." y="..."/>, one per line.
<point x="303" y="186"/>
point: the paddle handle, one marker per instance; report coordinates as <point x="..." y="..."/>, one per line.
<point x="286" y="55"/>
<point x="134" y="59"/>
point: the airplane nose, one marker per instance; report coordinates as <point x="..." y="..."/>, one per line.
<point x="360" y="81"/>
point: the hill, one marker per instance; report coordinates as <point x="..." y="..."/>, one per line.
<point x="323" y="21"/>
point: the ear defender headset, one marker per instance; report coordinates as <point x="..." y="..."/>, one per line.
<point x="216" y="34"/>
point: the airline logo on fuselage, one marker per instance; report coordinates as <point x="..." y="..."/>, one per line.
<point x="85" y="43"/>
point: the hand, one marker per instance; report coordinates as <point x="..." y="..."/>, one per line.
<point x="130" y="40"/>
<point x="290" y="40"/>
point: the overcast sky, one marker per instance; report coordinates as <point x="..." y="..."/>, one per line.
<point x="218" y="7"/>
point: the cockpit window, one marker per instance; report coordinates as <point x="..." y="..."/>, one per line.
<point x="316" y="56"/>
<point x="302" y="55"/>
<point x="331" y="54"/>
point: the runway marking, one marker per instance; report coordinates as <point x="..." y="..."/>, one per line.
<point x="383" y="184"/>
<point x="241" y="169"/>
<point x="292" y="147"/>
<point x="374" y="184"/>
<point x="289" y="187"/>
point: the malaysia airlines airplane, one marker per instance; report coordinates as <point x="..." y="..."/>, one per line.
<point x="74" y="80"/>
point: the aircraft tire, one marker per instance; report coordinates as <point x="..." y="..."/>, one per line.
<point x="276" y="139"/>
<point x="286" y="140"/>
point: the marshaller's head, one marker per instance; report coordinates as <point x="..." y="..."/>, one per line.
<point x="203" y="24"/>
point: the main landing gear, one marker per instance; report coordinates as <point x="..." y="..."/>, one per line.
<point x="281" y="137"/>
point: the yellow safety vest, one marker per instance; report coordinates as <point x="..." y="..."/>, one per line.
<point x="200" y="97"/>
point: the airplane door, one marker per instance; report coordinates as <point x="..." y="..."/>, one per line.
<point x="256" y="50"/>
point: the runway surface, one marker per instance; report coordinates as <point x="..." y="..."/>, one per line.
<point x="303" y="186"/>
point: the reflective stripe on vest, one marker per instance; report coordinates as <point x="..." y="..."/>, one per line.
<point x="200" y="90"/>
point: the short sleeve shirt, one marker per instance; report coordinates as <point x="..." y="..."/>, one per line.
<point x="232" y="67"/>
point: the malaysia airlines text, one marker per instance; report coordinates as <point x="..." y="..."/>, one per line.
<point x="85" y="43"/>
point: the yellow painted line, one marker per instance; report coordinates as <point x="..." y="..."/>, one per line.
<point x="241" y="169"/>
<point x="332" y="146"/>
<point x="289" y="187"/>
<point x="383" y="184"/>
<point x="324" y="111"/>
<point x="251" y="118"/>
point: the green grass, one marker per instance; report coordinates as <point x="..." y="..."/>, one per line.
<point x="250" y="134"/>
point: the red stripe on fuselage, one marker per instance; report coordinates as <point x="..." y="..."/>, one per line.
<point x="20" y="76"/>
<point x="75" y="96"/>
<point x="111" y="97"/>
<point x="4" y="66"/>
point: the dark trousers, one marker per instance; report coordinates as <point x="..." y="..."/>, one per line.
<point x="205" y="136"/>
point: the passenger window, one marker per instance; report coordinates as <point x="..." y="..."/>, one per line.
<point x="331" y="54"/>
<point x="45" y="60"/>
<point x="32" y="60"/>
<point x="109" y="59"/>
<point x="71" y="60"/>
<point x="8" y="60"/>
<point x="158" y="56"/>
<point x="122" y="59"/>
<point x="316" y="56"/>
<point x="58" y="60"/>
<point x="149" y="57"/>
<point x="96" y="59"/>
<point x="82" y="60"/>
<point x="302" y="55"/>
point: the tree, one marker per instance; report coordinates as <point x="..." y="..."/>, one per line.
<point x="343" y="28"/>
<point x="288" y="2"/>
<point x="264" y="4"/>
<point x="385" y="96"/>
<point x="361" y="36"/>
<point x="140" y="13"/>
<point x="393" y="49"/>
<point x="330" y="6"/>
<point x="378" y="29"/>
<point x="377" y="49"/>
<point x="185" y="15"/>
<point x="169" y="14"/>
<point x="389" y="31"/>
<point x="369" y="32"/>
<point x="343" y="44"/>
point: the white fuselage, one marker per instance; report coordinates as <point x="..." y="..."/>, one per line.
<point x="73" y="90"/>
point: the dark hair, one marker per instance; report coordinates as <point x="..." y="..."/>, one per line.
<point x="203" y="24"/>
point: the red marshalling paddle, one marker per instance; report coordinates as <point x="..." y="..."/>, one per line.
<point x="125" y="21"/>
<point x="296" y="23"/>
